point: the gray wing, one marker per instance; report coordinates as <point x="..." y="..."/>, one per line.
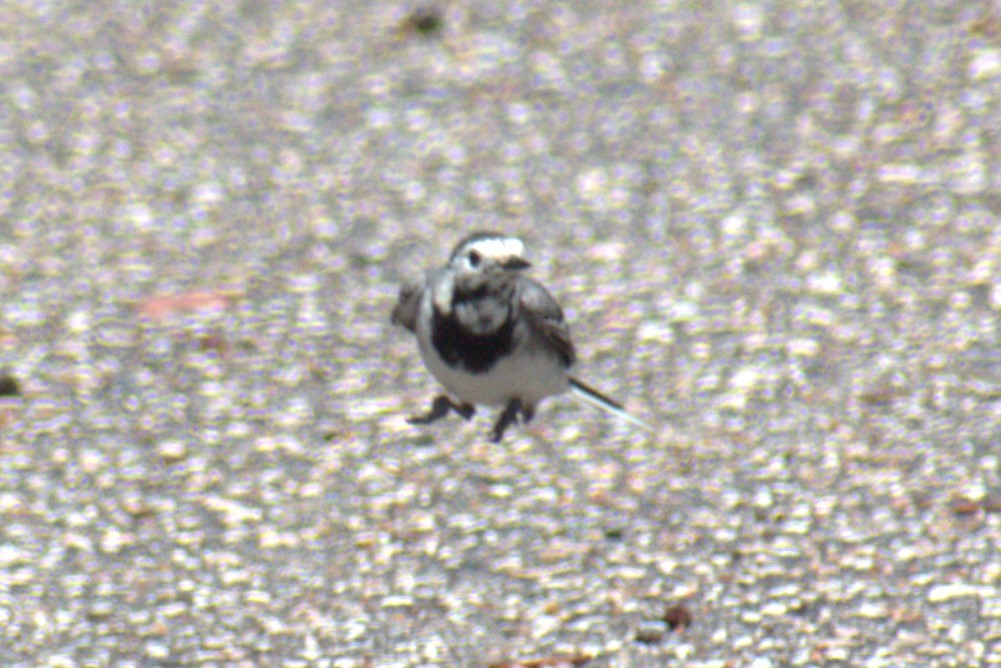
<point x="545" y="317"/>
<point x="409" y="302"/>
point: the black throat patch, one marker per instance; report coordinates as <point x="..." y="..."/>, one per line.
<point x="458" y="346"/>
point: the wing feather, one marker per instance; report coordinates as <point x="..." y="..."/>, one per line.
<point x="545" y="317"/>
<point x="408" y="303"/>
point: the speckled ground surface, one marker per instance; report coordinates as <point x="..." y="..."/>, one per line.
<point x="775" y="228"/>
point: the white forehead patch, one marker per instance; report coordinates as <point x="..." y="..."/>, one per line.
<point x="500" y="247"/>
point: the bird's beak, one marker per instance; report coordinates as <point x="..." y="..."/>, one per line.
<point x="515" y="263"/>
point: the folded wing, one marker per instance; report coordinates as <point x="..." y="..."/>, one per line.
<point x="545" y="317"/>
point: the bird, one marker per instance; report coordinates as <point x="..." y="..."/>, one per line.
<point x="492" y="335"/>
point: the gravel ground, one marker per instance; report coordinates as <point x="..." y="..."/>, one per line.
<point x="775" y="228"/>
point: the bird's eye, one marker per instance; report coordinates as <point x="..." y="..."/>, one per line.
<point x="474" y="258"/>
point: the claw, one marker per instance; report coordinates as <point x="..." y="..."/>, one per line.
<point x="440" y="408"/>
<point x="508" y="417"/>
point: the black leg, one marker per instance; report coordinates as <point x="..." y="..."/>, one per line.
<point x="508" y="417"/>
<point x="465" y="410"/>
<point x="527" y="413"/>
<point x="440" y="408"/>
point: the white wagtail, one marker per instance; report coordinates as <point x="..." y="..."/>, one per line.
<point x="491" y="335"/>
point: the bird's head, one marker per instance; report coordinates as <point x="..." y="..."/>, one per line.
<point x="487" y="253"/>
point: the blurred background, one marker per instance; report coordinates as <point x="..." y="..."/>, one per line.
<point x="774" y="227"/>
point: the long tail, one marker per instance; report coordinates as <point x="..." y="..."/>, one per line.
<point x="592" y="396"/>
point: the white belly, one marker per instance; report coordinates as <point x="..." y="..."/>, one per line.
<point x="528" y="377"/>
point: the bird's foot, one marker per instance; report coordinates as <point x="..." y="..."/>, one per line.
<point x="508" y="417"/>
<point x="440" y="408"/>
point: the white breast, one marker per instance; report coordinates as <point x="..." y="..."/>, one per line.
<point x="530" y="374"/>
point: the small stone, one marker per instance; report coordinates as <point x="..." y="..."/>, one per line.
<point x="678" y="617"/>
<point x="424" y="21"/>
<point x="9" y="386"/>
<point x="651" y="631"/>
<point x="172" y="450"/>
<point x="157" y="651"/>
<point x="100" y="610"/>
<point x="942" y="593"/>
<point x="985" y="63"/>
<point x="965" y="507"/>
